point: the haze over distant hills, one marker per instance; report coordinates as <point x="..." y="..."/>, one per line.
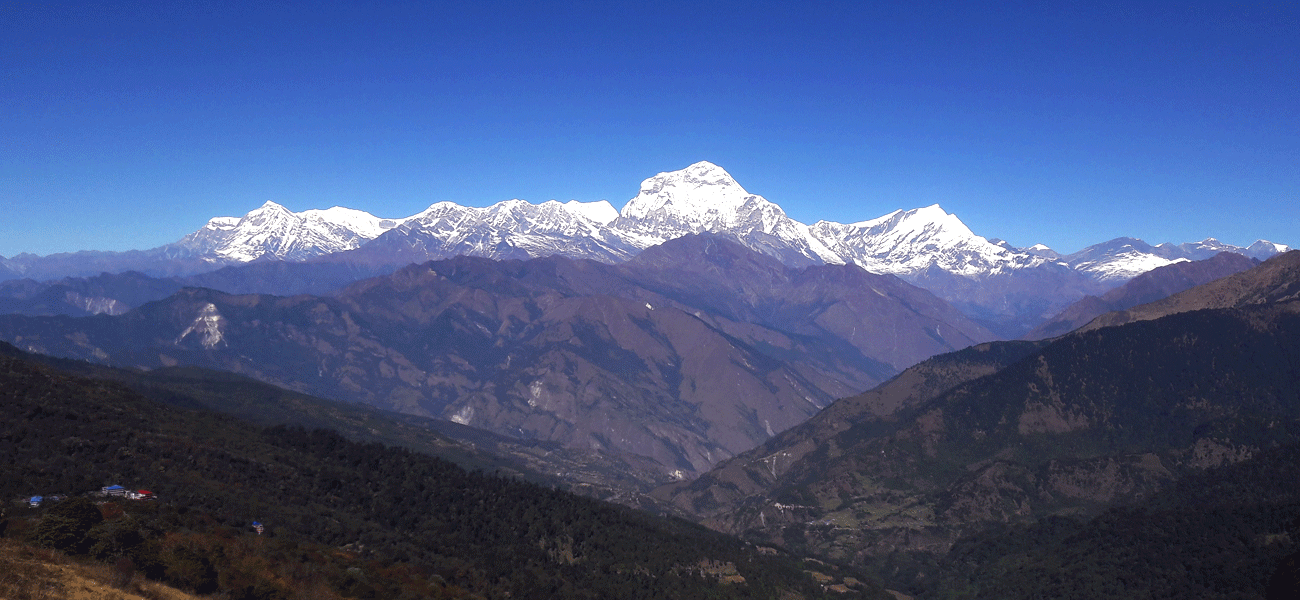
<point x="1008" y="289"/>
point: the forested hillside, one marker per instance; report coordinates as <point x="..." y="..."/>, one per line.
<point x="411" y="524"/>
<point x="1066" y="469"/>
<point x="1223" y="533"/>
<point x="548" y="463"/>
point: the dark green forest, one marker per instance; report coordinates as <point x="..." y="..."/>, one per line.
<point x="363" y="519"/>
<point x="1222" y="533"/>
<point x="1019" y="501"/>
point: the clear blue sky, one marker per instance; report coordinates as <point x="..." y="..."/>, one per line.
<point x="127" y="127"/>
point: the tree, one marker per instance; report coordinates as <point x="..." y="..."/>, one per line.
<point x="66" y="524"/>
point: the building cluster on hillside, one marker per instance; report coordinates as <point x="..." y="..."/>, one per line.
<point x="37" y="500"/>
<point x="114" y="491"/>
<point x="121" y="492"/>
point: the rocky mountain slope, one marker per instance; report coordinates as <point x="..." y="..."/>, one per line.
<point x="693" y="352"/>
<point x="1014" y="431"/>
<point x="111" y="294"/>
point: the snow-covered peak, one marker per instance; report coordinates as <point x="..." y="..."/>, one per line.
<point x="931" y="223"/>
<point x="510" y="229"/>
<point x="702" y="195"/>
<point x="1122" y="266"/>
<point x="1124" y="258"/>
<point x="1042" y="250"/>
<point x="905" y="242"/>
<point x="222" y="223"/>
<point x="704" y="198"/>
<point x="1121" y="259"/>
<point x="266" y="213"/>
<point x="701" y="198"/>
<point x="569" y="218"/>
<point x="362" y="222"/>
<point x="598" y="212"/>
<point x="1194" y="250"/>
<point x="1264" y="249"/>
<point x="272" y="230"/>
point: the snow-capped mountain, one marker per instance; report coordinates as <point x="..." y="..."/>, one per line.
<point x="1122" y="259"/>
<point x="510" y="229"/>
<point x="1119" y="260"/>
<point x="1195" y="250"/>
<point x="1263" y="250"/>
<point x="906" y="242"/>
<point x="1042" y="250"/>
<point x="704" y="198"/>
<point x="273" y="231"/>
<point x="1208" y="247"/>
<point x="1002" y="285"/>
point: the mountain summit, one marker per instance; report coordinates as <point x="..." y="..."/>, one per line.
<point x="1006" y="288"/>
<point x="273" y="231"/>
<point x="704" y="198"/>
<point x="921" y="244"/>
<point x="906" y="242"/>
<point x="702" y="193"/>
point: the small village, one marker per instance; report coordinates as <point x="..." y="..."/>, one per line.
<point x="112" y="491"/>
<point x="109" y="491"/>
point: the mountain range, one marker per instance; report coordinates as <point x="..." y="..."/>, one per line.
<point x="1156" y="284"/>
<point x="330" y="517"/>
<point x="693" y="351"/>
<point x="830" y="389"/>
<point x="1008" y="289"/>
<point x="1018" y="432"/>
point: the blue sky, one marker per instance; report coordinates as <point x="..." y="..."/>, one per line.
<point x="1062" y="123"/>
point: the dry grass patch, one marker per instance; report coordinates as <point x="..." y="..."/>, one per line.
<point x="28" y="573"/>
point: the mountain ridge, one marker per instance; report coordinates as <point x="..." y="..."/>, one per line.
<point x="685" y="361"/>
<point x="1156" y="284"/>
<point x="1012" y="432"/>
<point x="1009" y="289"/>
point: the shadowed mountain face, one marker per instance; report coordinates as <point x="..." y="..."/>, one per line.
<point x="1156" y="284"/>
<point x="1010" y="302"/>
<point x="102" y="294"/>
<point x="877" y="316"/>
<point x="757" y="472"/>
<point x="695" y="353"/>
<point x="548" y="463"/>
<point x="1015" y="431"/>
<point x="114" y="294"/>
